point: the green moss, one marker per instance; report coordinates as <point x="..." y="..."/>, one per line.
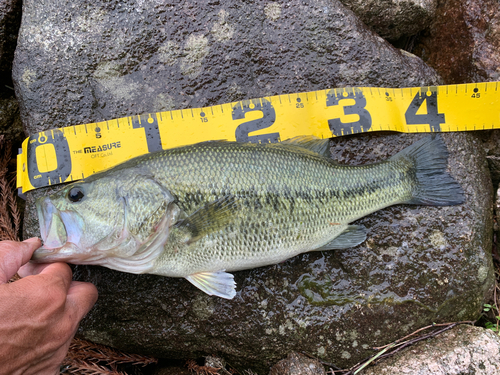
<point x="323" y="292"/>
<point x="319" y="292"/>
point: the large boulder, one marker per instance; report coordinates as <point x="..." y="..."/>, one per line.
<point x="394" y="19"/>
<point x="419" y="265"/>
<point x="10" y="20"/>
<point x="81" y="63"/>
<point x="462" y="350"/>
<point x="10" y="122"/>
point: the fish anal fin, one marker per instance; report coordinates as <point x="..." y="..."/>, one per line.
<point x="208" y="219"/>
<point x="352" y="236"/>
<point x="220" y="283"/>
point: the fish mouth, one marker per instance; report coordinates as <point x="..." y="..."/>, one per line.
<point x="60" y="232"/>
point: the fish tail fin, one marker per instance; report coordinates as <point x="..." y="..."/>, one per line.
<point x="434" y="186"/>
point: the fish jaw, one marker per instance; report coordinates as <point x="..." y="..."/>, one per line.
<point x="52" y="228"/>
<point x="61" y="234"/>
<point x="66" y="253"/>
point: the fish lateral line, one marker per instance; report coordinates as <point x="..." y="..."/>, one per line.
<point x="274" y="202"/>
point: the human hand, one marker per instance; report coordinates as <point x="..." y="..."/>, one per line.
<point x="40" y="313"/>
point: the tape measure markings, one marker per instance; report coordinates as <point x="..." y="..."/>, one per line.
<point x="57" y="155"/>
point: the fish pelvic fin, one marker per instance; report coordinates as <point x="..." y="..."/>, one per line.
<point x="433" y="185"/>
<point x="220" y="283"/>
<point x="352" y="236"/>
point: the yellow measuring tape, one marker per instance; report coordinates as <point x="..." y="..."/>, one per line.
<point x="74" y="152"/>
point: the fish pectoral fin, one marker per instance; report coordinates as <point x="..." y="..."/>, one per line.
<point x="220" y="283"/>
<point x="352" y="236"/>
<point x="213" y="217"/>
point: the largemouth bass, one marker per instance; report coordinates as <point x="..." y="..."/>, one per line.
<point x="204" y="210"/>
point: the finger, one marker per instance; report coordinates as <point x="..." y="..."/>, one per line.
<point x="61" y="271"/>
<point x="14" y="254"/>
<point x="82" y="296"/>
<point x="30" y="269"/>
<point x="56" y="271"/>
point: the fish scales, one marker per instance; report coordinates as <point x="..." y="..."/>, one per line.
<point x="278" y="210"/>
<point x="269" y="176"/>
<point x="203" y="210"/>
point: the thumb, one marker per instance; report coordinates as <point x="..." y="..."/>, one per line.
<point x="82" y="296"/>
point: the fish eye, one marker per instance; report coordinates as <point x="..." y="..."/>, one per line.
<point x="75" y="194"/>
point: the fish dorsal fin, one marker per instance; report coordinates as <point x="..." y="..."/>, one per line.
<point x="220" y="283"/>
<point x="352" y="236"/>
<point x="209" y="219"/>
<point x="311" y="143"/>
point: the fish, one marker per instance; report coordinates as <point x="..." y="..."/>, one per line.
<point x="202" y="211"/>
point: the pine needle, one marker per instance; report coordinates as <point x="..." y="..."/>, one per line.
<point x="86" y="358"/>
<point x="10" y="217"/>
<point x="79" y="367"/>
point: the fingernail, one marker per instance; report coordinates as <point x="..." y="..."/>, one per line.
<point x="32" y="239"/>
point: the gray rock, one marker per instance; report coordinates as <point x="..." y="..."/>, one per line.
<point x="393" y="19"/>
<point x="419" y="265"/>
<point x="491" y="142"/>
<point x="81" y="63"/>
<point x="462" y="350"/>
<point x="497" y="215"/>
<point x="494" y="165"/>
<point x="10" y="20"/>
<point x="78" y="62"/>
<point x="10" y="121"/>
<point x="297" y="364"/>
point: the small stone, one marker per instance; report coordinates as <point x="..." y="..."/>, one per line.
<point x="217" y="363"/>
<point x="297" y="364"/>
